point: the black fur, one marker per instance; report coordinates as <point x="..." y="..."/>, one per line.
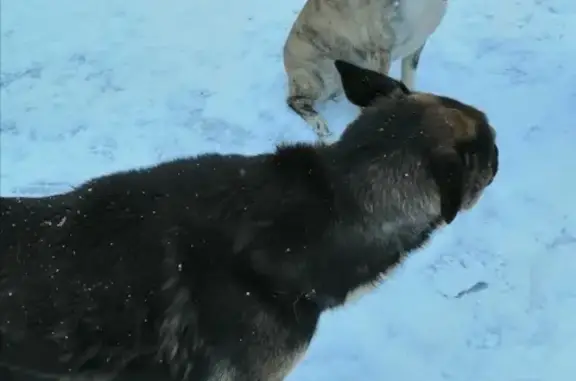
<point x="362" y="86"/>
<point x="212" y="260"/>
<point x="448" y="170"/>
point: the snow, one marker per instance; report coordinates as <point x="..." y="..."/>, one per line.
<point x="88" y="88"/>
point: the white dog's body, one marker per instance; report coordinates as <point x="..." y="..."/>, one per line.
<point x="367" y="33"/>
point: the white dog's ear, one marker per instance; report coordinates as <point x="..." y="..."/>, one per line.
<point x="363" y="86"/>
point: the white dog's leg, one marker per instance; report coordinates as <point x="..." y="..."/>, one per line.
<point x="410" y="66"/>
<point x="304" y="90"/>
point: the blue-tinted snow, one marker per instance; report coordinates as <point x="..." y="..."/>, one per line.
<point x="89" y="87"/>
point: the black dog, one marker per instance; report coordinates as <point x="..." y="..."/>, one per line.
<point x="217" y="268"/>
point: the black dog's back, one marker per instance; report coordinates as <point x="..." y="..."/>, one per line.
<point x="100" y="249"/>
<point x="71" y="256"/>
<point x="27" y="219"/>
<point x="39" y="239"/>
<point x="24" y="223"/>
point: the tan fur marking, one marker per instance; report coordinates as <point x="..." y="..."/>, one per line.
<point x="425" y="98"/>
<point x="464" y="127"/>
<point x="461" y="127"/>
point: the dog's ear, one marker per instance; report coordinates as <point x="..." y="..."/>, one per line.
<point x="362" y="86"/>
<point x="448" y="171"/>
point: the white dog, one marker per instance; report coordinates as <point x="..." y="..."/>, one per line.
<point x="367" y="33"/>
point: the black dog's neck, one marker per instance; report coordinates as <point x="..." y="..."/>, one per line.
<point x="378" y="187"/>
<point x="369" y="226"/>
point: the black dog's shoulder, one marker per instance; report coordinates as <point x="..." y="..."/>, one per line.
<point x="302" y="163"/>
<point x="301" y="176"/>
<point x="304" y="197"/>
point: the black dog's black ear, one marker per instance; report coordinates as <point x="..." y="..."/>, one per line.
<point x="363" y="86"/>
<point x="448" y="171"/>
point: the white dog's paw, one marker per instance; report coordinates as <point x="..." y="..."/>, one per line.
<point x="320" y="127"/>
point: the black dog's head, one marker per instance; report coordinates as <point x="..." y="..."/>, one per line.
<point x="454" y="141"/>
<point x="465" y="159"/>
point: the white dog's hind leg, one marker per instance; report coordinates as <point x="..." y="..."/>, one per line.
<point x="304" y="90"/>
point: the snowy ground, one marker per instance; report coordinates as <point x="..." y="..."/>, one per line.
<point x="90" y="87"/>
